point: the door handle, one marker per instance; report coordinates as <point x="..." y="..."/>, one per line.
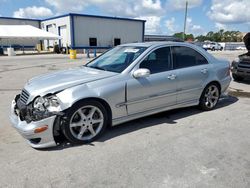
<point x="171" y="76"/>
<point x="204" y="71"/>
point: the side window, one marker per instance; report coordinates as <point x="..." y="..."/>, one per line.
<point x="158" y="60"/>
<point x="186" y="57"/>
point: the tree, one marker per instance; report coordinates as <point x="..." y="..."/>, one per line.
<point x="221" y="36"/>
<point x="187" y="36"/>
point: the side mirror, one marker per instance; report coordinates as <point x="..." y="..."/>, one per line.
<point x="141" y="73"/>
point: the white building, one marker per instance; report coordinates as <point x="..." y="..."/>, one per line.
<point x="80" y="31"/>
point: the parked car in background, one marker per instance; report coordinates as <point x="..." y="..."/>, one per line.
<point x="212" y="46"/>
<point x="241" y="66"/>
<point x="128" y="82"/>
<point x="240" y="48"/>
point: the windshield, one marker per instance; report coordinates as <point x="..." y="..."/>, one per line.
<point x="117" y="59"/>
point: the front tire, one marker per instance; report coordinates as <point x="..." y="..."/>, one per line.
<point x="209" y="97"/>
<point x="86" y="121"/>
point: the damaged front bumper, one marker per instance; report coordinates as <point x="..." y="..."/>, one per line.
<point x="39" y="134"/>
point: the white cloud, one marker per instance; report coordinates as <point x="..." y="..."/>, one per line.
<point x="129" y="8"/>
<point x="220" y="26"/>
<point x="150" y="4"/>
<point x="67" y="5"/>
<point x="134" y="8"/>
<point x="230" y="11"/>
<point x="32" y="12"/>
<point x="181" y="4"/>
<point x="170" y="24"/>
<point x="153" y="24"/>
<point x="193" y="28"/>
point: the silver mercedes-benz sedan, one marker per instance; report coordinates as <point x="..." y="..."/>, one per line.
<point x="127" y="82"/>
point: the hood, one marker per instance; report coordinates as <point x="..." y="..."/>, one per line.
<point x="53" y="82"/>
<point x="246" y="40"/>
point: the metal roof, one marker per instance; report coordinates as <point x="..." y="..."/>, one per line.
<point x="93" y="16"/>
<point x="74" y="14"/>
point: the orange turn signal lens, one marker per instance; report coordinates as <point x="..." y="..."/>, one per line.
<point x="41" y="129"/>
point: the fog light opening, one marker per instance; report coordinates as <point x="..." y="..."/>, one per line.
<point x="35" y="140"/>
<point x="41" y="129"/>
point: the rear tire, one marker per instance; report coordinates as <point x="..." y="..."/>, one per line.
<point x="209" y="97"/>
<point x="86" y="121"/>
<point x="237" y="77"/>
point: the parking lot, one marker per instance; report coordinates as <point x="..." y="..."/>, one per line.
<point x="179" y="148"/>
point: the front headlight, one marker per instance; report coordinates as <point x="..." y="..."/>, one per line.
<point x="52" y="103"/>
<point x="49" y="103"/>
<point x="38" y="104"/>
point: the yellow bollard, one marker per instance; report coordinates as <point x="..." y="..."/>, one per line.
<point x="72" y="54"/>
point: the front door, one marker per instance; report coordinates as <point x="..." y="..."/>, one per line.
<point x="158" y="89"/>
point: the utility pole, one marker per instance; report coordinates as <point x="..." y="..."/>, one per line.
<point x="185" y="21"/>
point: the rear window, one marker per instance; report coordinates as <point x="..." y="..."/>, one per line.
<point x="186" y="57"/>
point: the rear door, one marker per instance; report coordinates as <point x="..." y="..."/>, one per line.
<point x="193" y="70"/>
<point x="158" y="89"/>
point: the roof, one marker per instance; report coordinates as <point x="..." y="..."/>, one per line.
<point x="25" y="32"/>
<point x="74" y="14"/>
<point x="160" y="43"/>
<point x="93" y="16"/>
<point x="13" y="18"/>
<point x="149" y="44"/>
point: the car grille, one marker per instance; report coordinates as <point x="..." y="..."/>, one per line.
<point x="244" y="64"/>
<point x="24" y="96"/>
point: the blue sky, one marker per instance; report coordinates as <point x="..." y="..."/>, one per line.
<point x="163" y="16"/>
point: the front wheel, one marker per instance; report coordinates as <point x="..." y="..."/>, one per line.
<point x="210" y="97"/>
<point x="86" y="121"/>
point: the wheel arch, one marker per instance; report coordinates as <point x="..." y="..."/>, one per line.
<point x="215" y="82"/>
<point x="103" y="102"/>
<point x="211" y="82"/>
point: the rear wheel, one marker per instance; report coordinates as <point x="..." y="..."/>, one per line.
<point x="237" y="77"/>
<point x="86" y="121"/>
<point x="209" y="97"/>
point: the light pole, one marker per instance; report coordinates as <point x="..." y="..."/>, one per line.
<point x="185" y="21"/>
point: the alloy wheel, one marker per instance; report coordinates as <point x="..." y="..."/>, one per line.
<point x="86" y="122"/>
<point x="211" y="96"/>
